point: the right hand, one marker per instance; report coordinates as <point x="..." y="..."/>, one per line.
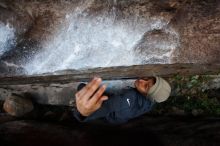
<point x="89" y="99"/>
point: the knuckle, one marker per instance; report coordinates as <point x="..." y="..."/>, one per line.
<point x="78" y="103"/>
<point x="77" y="94"/>
<point x="98" y="106"/>
<point x="77" y="98"/>
<point x="93" y="88"/>
<point x="99" y="93"/>
<point x="86" y="87"/>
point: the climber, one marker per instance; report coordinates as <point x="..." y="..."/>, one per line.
<point x="93" y="102"/>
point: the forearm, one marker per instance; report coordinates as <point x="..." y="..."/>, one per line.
<point x="78" y="115"/>
<point x="100" y="113"/>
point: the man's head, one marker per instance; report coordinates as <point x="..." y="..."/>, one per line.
<point x="154" y="87"/>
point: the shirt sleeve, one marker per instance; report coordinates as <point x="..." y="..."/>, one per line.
<point x="78" y="116"/>
<point x="99" y="114"/>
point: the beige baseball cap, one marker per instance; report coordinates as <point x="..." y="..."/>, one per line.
<point x="160" y="91"/>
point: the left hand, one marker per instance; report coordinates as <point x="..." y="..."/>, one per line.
<point x="90" y="98"/>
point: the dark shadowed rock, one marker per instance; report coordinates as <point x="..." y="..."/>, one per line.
<point x="6" y="118"/>
<point x="146" y="130"/>
<point x="17" y="105"/>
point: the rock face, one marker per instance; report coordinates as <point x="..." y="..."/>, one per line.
<point x="195" y="23"/>
<point x="146" y="130"/>
<point x="198" y="24"/>
<point x="158" y="42"/>
<point x="56" y="94"/>
<point x="33" y="24"/>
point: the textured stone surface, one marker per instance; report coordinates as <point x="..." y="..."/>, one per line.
<point x="34" y="23"/>
<point x="198" y="23"/>
<point x="17" y="105"/>
<point x="56" y="94"/>
<point x="145" y="130"/>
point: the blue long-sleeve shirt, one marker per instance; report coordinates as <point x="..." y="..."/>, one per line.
<point x="120" y="108"/>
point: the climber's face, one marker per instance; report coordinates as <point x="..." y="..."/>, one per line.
<point x="143" y="85"/>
